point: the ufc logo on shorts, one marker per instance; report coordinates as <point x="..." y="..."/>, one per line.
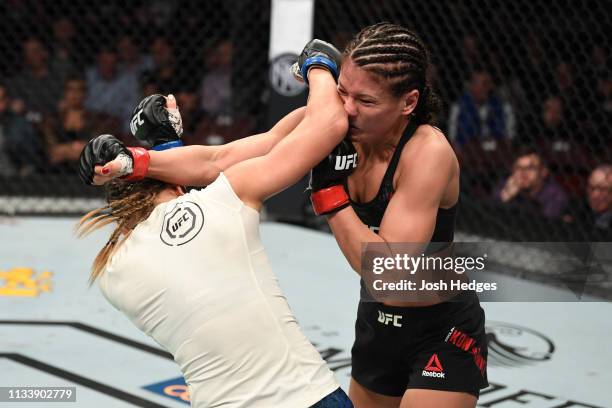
<point x="136" y="122"/>
<point x="386" y="318"/>
<point x="346" y="162"/>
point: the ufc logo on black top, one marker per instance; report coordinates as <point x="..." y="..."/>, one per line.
<point x="136" y="122"/>
<point x="346" y="162"/>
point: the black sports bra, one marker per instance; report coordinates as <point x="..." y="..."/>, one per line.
<point x="371" y="213"/>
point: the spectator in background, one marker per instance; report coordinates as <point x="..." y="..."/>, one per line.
<point x="603" y="96"/>
<point x="479" y="114"/>
<point x="148" y="85"/>
<point x="131" y="61"/>
<point x="37" y="86"/>
<point x="595" y="212"/>
<point x="597" y="75"/>
<point x="533" y="73"/>
<point x="558" y="136"/>
<point x="220" y="123"/>
<point x="471" y="55"/>
<point x="599" y="193"/>
<point x="531" y="187"/>
<point x="201" y="128"/>
<point x="162" y="77"/>
<point x="564" y="81"/>
<point x="19" y="144"/>
<point x="553" y="125"/>
<point x="188" y="103"/>
<point x="64" y="52"/>
<point x="133" y="66"/>
<point x="599" y="66"/>
<point x="216" y="88"/>
<point x="158" y="14"/>
<point x="111" y="91"/>
<point x="67" y="131"/>
<point x="567" y="89"/>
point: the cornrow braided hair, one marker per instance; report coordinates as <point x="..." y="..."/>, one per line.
<point x="400" y="57"/>
<point x="128" y="204"/>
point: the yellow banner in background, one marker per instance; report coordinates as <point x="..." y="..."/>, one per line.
<point x="24" y="282"/>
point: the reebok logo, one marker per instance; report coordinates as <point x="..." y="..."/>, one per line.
<point x="386" y="318"/>
<point x="433" y="368"/>
<point x="346" y="162"/>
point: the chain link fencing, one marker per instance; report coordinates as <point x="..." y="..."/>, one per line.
<point x="71" y="70"/>
<point x="526" y="88"/>
<point x="527" y="93"/>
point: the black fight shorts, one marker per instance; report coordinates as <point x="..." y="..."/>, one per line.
<point x="440" y="347"/>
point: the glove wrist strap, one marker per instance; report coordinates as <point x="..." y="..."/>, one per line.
<point x="328" y="200"/>
<point x="319" y="61"/>
<point x="168" y="145"/>
<point x="141" y="159"/>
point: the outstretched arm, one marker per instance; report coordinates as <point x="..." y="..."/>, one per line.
<point x="324" y="117"/>
<point x="324" y="126"/>
<point x="200" y="165"/>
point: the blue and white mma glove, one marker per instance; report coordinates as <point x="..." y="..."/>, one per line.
<point x="156" y="126"/>
<point x="320" y="54"/>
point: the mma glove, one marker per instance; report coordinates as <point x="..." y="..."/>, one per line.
<point x="320" y="54"/>
<point x="105" y="148"/>
<point x="327" y="178"/>
<point x="155" y="125"/>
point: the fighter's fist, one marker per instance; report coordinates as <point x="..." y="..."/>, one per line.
<point x="156" y="122"/>
<point x="337" y="166"/>
<point x="317" y="53"/>
<point x="98" y="150"/>
<point x="327" y="178"/>
<point x="106" y="157"/>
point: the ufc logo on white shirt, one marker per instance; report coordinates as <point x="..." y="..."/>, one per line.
<point x="386" y="318"/>
<point x="346" y="162"/>
<point x="136" y="122"/>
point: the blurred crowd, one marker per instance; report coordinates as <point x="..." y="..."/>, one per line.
<point x="533" y="135"/>
<point x="71" y="71"/>
<point x="539" y="142"/>
<point x="51" y="108"/>
<point x="534" y="140"/>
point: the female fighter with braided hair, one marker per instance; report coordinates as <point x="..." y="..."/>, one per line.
<point x="405" y="189"/>
<point x="189" y="269"/>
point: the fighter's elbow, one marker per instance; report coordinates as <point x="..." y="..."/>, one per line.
<point x="339" y="124"/>
<point x="203" y="175"/>
<point x="334" y="119"/>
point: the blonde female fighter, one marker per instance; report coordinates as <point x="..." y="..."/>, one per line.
<point x="190" y="270"/>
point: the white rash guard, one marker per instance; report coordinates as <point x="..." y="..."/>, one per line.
<point x="196" y="278"/>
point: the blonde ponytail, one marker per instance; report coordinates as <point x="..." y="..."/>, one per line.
<point x="129" y="204"/>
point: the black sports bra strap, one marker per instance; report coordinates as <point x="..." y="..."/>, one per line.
<point x="398" y="150"/>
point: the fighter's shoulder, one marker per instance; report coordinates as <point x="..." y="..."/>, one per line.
<point x="220" y="191"/>
<point x="427" y="143"/>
